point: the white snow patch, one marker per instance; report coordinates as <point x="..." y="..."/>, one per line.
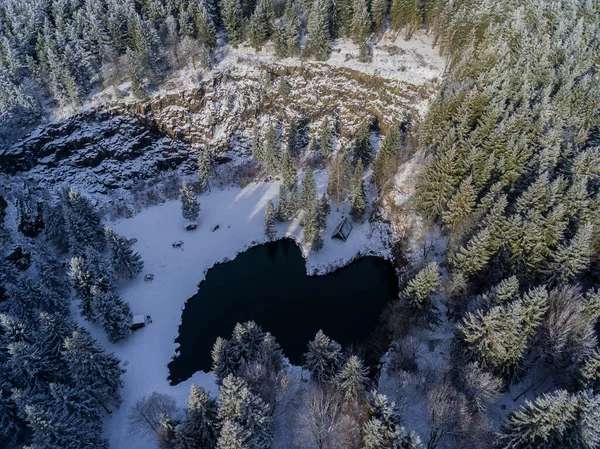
<point x="177" y="272"/>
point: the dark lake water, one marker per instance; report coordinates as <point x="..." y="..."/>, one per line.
<point x="269" y="284"/>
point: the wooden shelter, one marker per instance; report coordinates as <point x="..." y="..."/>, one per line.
<point x="342" y="230"/>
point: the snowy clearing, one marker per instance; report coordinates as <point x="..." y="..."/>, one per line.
<point x="239" y="212"/>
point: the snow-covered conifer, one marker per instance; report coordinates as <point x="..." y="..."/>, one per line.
<point x="270" y="220"/>
<point x="288" y="169"/>
<point x="308" y="194"/>
<point x="205" y="168"/>
<point x="324" y="358"/>
<point x="190" y="207"/>
<point x="357" y="193"/>
<point x="318" y="40"/>
<point x="200" y="426"/>
<point x="418" y="292"/>
<point x="352" y="379"/>
<point x="124" y="262"/>
<point x="233" y="20"/>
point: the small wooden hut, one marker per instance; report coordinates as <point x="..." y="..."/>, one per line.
<point x="342" y="230"/>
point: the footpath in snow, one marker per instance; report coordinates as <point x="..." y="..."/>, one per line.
<point x="239" y="212"/>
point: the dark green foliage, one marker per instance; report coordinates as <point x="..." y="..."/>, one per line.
<point x="190" y="207"/>
<point x="318" y="40"/>
<point x="357" y="193"/>
<point x="233" y="21"/>
<point x="270" y="220"/>
<point x="352" y="380"/>
<point x="419" y="290"/>
<point x="260" y="26"/>
<point x="385" y="165"/>
<point x="324" y="358"/>
<point x="83" y="224"/>
<point x="554" y="420"/>
<point x="199" y="429"/>
<point x="125" y="263"/>
<point x="362" y="147"/>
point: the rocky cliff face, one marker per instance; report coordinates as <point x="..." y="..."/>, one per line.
<point x="125" y="141"/>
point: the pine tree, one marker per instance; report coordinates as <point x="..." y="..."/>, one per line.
<point x="418" y="292"/>
<point x="461" y="205"/>
<point x="352" y="379"/>
<point x="357" y="193"/>
<point x="190" y="207"/>
<point x="66" y="417"/>
<point x="124" y="262"/>
<point x="554" y="420"/>
<point x="288" y="169"/>
<point x="257" y="147"/>
<point x="325" y="140"/>
<point x="293" y="144"/>
<point x="84" y="226"/>
<point x="291" y="30"/>
<point x="361" y="27"/>
<point x="233" y="436"/>
<point x="233" y="20"/>
<point x="270" y="220"/>
<point x="239" y="405"/>
<point x="109" y="310"/>
<point x="282" y="211"/>
<point x="271" y="152"/>
<point x="83" y="283"/>
<point x="362" y="148"/>
<point x="260" y="26"/>
<point x="323" y="212"/>
<point x="572" y="258"/>
<point x="385" y="165"/>
<point x="318" y="40"/>
<point x="379" y="9"/>
<point x="206" y="32"/>
<point x="89" y="365"/>
<point x="200" y="426"/>
<point x="499" y="339"/>
<point x="308" y="194"/>
<point x="324" y="358"/>
<point x="222" y="360"/>
<point x="205" y="168"/>
<point x="590" y="371"/>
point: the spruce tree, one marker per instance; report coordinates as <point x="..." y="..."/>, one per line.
<point x="271" y="152"/>
<point x="362" y="148"/>
<point x="270" y="220"/>
<point x="573" y="257"/>
<point x="318" y="40"/>
<point x="205" y="168"/>
<point x="379" y="9"/>
<point x="115" y="316"/>
<point x="124" y="262"/>
<point x="260" y="26"/>
<point x="190" y="207"/>
<point x="325" y="140"/>
<point x="558" y="419"/>
<point x="324" y="358"/>
<point x="237" y="404"/>
<point x="206" y="32"/>
<point x="257" y="147"/>
<point x="282" y="211"/>
<point x="89" y="365"/>
<point x="293" y="143"/>
<point x="83" y="283"/>
<point x="419" y="290"/>
<point x="590" y="371"/>
<point x="84" y="226"/>
<point x="361" y="27"/>
<point x="324" y="209"/>
<point x="385" y="165"/>
<point x="352" y="379"/>
<point x="200" y="426"/>
<point x="233" y="436"/>
<point x="357" y="193"/>
<point x="288" y="169"/>
<point x="308" y="194"/>
<point x="233" y="21"/>
<point x="291" y="30"/>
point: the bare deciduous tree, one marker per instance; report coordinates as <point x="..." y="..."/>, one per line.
<point x="145" y="415"/>
<point x="322" y="416"/>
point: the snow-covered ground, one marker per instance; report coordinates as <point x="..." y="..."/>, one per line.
<point x="239" y="212"/>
